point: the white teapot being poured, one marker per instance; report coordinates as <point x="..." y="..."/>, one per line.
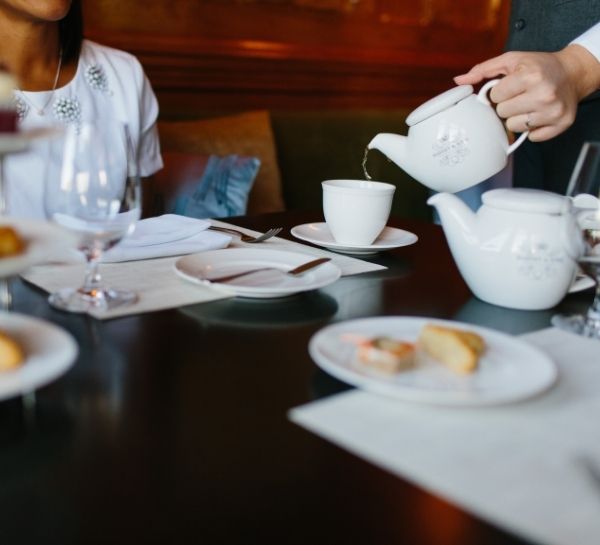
<point x="455" y="140"/>
<point x="519" y="250"/>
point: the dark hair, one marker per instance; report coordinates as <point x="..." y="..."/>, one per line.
<point x="70" y="32"/>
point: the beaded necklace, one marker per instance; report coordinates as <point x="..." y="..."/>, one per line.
<point x="42" y="110"/>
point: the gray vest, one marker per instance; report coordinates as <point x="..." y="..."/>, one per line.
<point x="549" y="25"/>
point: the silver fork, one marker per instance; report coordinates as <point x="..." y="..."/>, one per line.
<point x="248" y="238"/>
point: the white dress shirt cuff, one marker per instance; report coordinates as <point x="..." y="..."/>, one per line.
<point x="590" y="40"/>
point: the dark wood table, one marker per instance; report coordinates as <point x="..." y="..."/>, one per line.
<point x="171" y="427"/>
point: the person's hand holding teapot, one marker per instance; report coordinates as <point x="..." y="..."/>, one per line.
<point x="540" y="91"/>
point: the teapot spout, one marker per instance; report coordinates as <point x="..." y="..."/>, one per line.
<point x="393" y="146"/>
<point x="458" y="220"/>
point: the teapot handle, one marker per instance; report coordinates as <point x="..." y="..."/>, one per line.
<point x="482" y="96"/>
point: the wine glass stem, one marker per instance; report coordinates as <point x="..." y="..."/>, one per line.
<point x="91" y="281"/>
<point x="592" y="319"/>
<point x="2" y="186"/>
<point x="5" y="295"/>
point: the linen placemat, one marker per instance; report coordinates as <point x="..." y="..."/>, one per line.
<point x="155" y="282"/>
<point x="157" y="285"/>
<point x="526" y="467"/>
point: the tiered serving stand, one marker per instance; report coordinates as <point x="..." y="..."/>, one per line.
<point x="49" y="349"/>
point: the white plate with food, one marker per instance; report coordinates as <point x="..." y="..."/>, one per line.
<point x="202" y="267"/>
<point x="500" y="369"/>
<point x="33" y="353"/>
<point x="24" y="243"/>
<point x="319" y="234"/>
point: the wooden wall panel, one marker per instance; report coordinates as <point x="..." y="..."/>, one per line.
<point x="283" y="54"/>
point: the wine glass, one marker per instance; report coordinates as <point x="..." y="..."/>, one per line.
<point x="584" y="190"/>
<point x="93" y="190"/>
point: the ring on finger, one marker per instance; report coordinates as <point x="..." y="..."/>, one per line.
<point x="528" y="122"/>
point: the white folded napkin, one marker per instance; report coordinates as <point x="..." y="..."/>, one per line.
<point x="165" y="236"/>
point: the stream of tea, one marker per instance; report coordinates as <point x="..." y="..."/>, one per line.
<point x="364" y="164"/>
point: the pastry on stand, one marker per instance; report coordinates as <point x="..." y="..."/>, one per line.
<point x="8" y="109"/>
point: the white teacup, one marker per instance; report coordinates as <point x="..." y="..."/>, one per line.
<point x="356" y="211"/>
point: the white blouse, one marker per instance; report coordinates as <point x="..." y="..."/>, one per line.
<point x="108" y="83"/>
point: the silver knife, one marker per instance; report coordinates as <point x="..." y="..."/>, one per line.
<point x="292" y="272"/>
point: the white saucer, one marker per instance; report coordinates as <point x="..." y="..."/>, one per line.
<point x="319" y="234"/>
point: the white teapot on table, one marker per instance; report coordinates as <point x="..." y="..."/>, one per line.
<point x="519" y="250"/>
<point x="455" y="140"/>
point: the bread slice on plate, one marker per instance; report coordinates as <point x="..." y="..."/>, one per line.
<point x="459" y="350"/>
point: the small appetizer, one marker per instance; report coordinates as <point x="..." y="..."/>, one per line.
<point x="386" y="355"/>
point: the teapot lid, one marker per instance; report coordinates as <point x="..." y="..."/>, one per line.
<point x="439" y="103"/>
<point x="527" y="200"/>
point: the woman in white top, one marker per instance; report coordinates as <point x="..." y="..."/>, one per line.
<point x="66" y="79"/>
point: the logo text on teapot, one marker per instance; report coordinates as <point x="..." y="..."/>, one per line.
<point x="451" y="145"/>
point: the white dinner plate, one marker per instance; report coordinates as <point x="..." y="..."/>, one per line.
<point x="319" y="234"/>
<point x="581" y="282"/>
<point x="199" y="268"/>
<point x="509" y="370"/>
<point x="49" y="352"/>
<point x="42" y="239"/>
